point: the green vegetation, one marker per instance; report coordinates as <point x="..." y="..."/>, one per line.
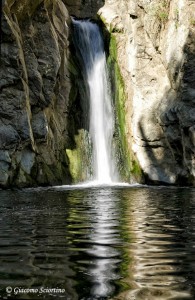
<point x="123" y="157"/>
<point x="79" y="158"/>
<point x="136" y="170"/>
<point x="127" y="164"/>
<point x="192" y="22"/>
<point x="161" y="11"/>
<point x="176" y="18"/>
<point x="74" y="163"/>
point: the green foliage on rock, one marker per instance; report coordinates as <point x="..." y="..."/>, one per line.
<point x="119" y="95"/>
<point x="192" y="22"/>
<point x="161" y="11"/>
<point x="136" y="170"/>
<point x="127" y="163"/>
<point x="79" y="158"/>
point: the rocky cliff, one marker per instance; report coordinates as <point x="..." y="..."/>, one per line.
<point x="151" y="59"/>
<point x="84" y="8"/>
<point x="34" y="93"/>
<point x="155" y="54"/>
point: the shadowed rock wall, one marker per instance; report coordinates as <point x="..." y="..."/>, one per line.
<point x="40" y="109"/>
<point x="34" y="93"/>
<point x="84" y="8"/>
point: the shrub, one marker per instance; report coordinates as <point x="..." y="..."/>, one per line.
<point x="192" y="22"/>
<point x="161" y="11"/>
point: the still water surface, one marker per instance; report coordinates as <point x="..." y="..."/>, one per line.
<point x="98" y="243"/>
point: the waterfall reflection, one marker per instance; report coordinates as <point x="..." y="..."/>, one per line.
<point x="99" y="241"/>
<point x="105" y="235"/>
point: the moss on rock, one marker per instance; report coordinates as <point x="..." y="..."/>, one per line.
<point x="79" y="157"/>
<point x="119" y="96"/>
<point x="127" y="164"/>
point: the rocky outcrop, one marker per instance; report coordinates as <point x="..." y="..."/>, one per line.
<point x="84" y="8"/>
<point x="34" y="93"/>
<point x="151" y="59"/>
<point x="155" y="53"/>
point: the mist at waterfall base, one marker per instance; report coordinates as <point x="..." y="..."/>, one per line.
<point x="90" y="52"/>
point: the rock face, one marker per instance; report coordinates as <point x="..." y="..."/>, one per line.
<point x="155" y="52"/>
<point x="34" y="93"/>
<point x="84" y="8"/>
<point x="152" y="61"/>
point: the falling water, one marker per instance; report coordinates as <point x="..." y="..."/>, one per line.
<point x="91" y="55"/>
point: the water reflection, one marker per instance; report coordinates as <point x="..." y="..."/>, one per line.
<point x="162" y="245"/>
<point x="98" y="237"/>
<point x="107" y="243"/>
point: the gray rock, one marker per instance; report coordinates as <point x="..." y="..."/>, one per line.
<point x="9" y="138"/>
<point x="158" y="174"/>
<point x="173" y="133"/>
<point x="83" y="9"/>
<point x="192" y="134"/>
<point x="40" y="126"/>
<point x="23" y="126"/>
<point x="4" y="156"/>
<point x="188" y="94"/>
<point x="159" y="79"/>
<point x="34" y="83"/>
<point x="4" y="167"/>
<point x="8" y="76"/>
<point x="26" y="159"/>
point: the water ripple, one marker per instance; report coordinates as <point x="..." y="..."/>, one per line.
<point x="99" y="243"/>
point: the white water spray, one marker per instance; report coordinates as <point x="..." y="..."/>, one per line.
<point x="90" y="52"/>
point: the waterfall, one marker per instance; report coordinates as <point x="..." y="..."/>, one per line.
<point x="90" y="53"/>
